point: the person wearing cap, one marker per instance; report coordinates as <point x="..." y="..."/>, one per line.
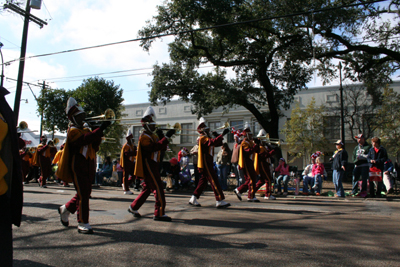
<point x="78" y="165"/>
<point x="147" y="166"/>
<point x="205" y="164"/>
<point x="262" y="167"/>
<point x="339" y="164"/>
<point x="128" y="159"/>
<point x="361" y="167"/>
<point x="247" y="151"/>
<point x="377" y="156"/>
<point x="284" y="176"/>
<point x="11" y="191"/>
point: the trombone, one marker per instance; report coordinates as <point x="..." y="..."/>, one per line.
<point x="109" y="115"/>
<point x="22" y="126"/>
<point x="270" y="140"/>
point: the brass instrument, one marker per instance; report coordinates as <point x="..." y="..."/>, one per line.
<point x="270" y="140"/>
<point x="22" y="126"/>
<point x="177" y="127"/>
<point x="226" y="125"/>
<point x="56" y="141"/>
<point x="109" y="115"/>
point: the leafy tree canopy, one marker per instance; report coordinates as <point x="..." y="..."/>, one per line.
<point x="304" y="131"/>
<point x="96" y="95"/>
<point x="272" y="59"/>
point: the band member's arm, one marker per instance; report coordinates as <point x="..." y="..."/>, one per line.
<point x="251" y="148"/>
<point x="42" y="149"/>
<point x="128" y="152"/>
<point x="148" y="145"/>
<point x="217" y="141"/>
<point x="93" y="138"/>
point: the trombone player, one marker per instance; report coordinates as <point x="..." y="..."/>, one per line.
<point x="147" y="166"/>
<point x="205" y="165"/>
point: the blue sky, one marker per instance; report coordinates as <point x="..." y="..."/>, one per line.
<point x="76" y="24"/>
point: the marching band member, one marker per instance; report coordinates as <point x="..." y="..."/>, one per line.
<point x="262" y="167"/>
<point x="247" y="151"/>
<point x="25" y="156"/>
<point x="205" y="165"/>
<point x="78" y="165"/>
<point x="128" y="159"/>
<point x="57" y="158"/>
<point x="43" y="155"/>
<point x="147" y="166"/>
<point x="10" y="180"/>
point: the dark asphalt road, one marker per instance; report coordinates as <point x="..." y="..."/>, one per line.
<point x="291" y="231"/>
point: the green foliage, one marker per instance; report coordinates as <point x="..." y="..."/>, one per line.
<point x="304" y="131"/>
<point x="96" y="95"/>
<point x="52" y="103"/>
<point x="387" y="121"/>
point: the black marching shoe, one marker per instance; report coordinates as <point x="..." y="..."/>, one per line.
<point x="163" y="218"/>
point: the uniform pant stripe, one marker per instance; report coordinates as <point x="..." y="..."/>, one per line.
<point x="157" y="188"/>
<point x="78" y="190"/>
<point x="211" y="178"/>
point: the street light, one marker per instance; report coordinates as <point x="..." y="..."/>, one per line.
<point x="2" y="65"/>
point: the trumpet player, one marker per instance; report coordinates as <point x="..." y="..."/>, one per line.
<point x="205" y="165"/>
<point x="128" y="159"/>
<point x="147" y="166"/>
<point x="262" y="166"/>
<point x="248" y="149"/>
<point x="78" y="165"/>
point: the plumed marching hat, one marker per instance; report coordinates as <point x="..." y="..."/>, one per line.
<point x="129" y="133"/>
<point x="202" y="125"/>
<point x="73" y="108"/>
<point x="246" y="128"/>
<point x="261" y="133"/>
<point x="149" y="117"/>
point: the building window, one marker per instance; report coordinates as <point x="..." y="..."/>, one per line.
<point x="139" y="113"/>
<point x="214" y="125"/>
<point x="237" y="125"/>
<point x="332" y="98"/>
<point x="136" y="132"/>
<point x="185" y="130"/>
<point x="162" y="110"/>
<point x="332" y="127"/>
<point x="187" y="109"/>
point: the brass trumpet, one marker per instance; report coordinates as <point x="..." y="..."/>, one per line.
<point x="270" y="140"/>
<point x="109" y="115"/>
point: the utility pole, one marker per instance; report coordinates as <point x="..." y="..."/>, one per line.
<point x="341" y="106"/>
<point x="41" y="113"/>
<point x="28" y="17"/>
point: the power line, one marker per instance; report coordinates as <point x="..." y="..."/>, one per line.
<point x="199" y="29"/>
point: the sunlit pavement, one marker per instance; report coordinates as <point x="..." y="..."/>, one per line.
<point x="289" y="231"/>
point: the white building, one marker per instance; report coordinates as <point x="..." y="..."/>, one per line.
<point x="179" y="111"/>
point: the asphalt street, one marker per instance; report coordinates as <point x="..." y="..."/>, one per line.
<point x="289" y="231"/>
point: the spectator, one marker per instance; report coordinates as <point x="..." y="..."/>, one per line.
<point x="224" y="163"/>
<point x="361" y="167"/>
<point x="318" y="172"/>
<point x="173" y="173"/>
<point x="387" y="181"/>
<point x="235" y="160"/>
<point x="180" y="153"/>
<point x="308" y="180"/>
<point x="194" y="153"/>
<point x="185" y="174"/>
<point x="377" y="156"/>
<point x="339" y="164"/>
<point x="120" y="172"/>
<point x="106" y="171"/>
<point x="283" y="169"/>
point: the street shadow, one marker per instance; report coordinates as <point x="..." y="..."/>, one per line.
<point x="23" y="263"/>
<point x="27" y="218"/>
<point x="266" y="210"/>
<point x="42" y="205"/>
